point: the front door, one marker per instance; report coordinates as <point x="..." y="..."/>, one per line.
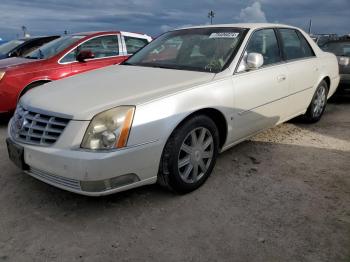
<point x="260" y="95"/>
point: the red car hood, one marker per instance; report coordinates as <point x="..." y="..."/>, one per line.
<point x="15" y="61"/>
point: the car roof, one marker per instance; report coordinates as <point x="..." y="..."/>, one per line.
<point x="243" y="25"/>
<point x="93" y="33"/>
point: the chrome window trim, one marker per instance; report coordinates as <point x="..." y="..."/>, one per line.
<point x="67" y="63"/>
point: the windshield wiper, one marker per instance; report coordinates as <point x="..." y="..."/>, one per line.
<point x="31" y="57"/>
<point x="41" y="55"/>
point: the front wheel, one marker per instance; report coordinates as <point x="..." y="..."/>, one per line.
<point x="189" y="155"/>
<point x="318" y="104"/>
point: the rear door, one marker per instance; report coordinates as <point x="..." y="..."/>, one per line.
<point x="106" y="49"/>
<point x="302" y="69"/>
<point x="260" y="95"/>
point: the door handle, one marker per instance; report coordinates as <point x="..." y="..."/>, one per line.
<point x="281" y="78"/>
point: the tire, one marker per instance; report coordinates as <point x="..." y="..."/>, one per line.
<point x="318" y="104"/>
<point x="189" y="155"/>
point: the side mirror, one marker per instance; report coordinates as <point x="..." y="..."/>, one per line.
<point x="343" y="61"/>
<point x="254" y="60"/>
<point x="84" y="55"/>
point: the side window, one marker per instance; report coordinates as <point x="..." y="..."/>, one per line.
<point x="70" y="57"/>
<point x="305" y="46"/>
<point x="104" y="46"/>
<point x="265" y="42"/>
<point x="133" y="44"/>
<point x="294" y="47"/>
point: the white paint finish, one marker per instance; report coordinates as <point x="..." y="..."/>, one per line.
<point x="87" y="94"/>
<point x="250" y="102"/>
<point x="259" y="97"/>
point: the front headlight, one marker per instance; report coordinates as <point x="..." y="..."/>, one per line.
<point x="109" y="129"/>
<point x="2" y="73"/>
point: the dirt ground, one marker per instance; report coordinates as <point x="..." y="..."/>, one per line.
<point x="282" y="196"/>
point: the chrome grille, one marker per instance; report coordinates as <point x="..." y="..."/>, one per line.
<point x="54" y="179"/>
<point x="38" y="129"/>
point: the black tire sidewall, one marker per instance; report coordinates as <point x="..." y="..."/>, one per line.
<point x="177" y="139"/>
<point x="309" y="114"/>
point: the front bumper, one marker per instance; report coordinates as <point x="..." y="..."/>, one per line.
<point x="71" y="169"/>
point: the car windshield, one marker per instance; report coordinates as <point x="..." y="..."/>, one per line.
<point x="54" y="47"/>
<point x="338" y="48"/>
<point x="7" y="47"/>
<point x="202" y="49"/>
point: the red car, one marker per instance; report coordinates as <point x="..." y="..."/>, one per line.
<point x="63" y="57"/>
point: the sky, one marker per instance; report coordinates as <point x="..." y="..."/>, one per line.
<point x="44" y="17"/>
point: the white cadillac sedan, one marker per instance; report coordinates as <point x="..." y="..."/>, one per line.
<point x="165" y="114"/>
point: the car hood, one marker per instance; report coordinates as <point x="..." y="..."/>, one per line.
<point x="83" y="96"/>
<point x="14" y="61"/>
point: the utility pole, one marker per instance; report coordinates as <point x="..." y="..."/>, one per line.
<point x="24" y="29"/>
<point x="310" y="25"/>
<point x="211" y="15"/>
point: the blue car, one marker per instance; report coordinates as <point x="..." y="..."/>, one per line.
<point x="22" y="47"/>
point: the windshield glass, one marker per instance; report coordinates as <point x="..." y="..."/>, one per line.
<point x="54" y="47"/>
<point x="202" y="49"/>
<point x="338" y="48"/>
<point x="7" y="47"/>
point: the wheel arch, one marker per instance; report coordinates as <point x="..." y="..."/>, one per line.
<point x="214" y="114"/>
<point x="32" y="85"/>
<point x="327" y="79"/>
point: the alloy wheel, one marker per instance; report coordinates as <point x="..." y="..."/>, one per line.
<point x="196" y="154"/>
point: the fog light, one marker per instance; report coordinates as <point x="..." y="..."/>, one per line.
<point x="108" y="184"/>
<point x="124" y="180"/>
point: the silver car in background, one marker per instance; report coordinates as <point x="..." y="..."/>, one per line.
<point x="168" y="111"/>
<point x="341" y="48"/>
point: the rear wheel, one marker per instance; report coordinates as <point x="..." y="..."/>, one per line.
<point x="189" y="155"/>
<point x="318" y="104"/>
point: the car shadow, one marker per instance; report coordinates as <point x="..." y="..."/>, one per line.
<point x="335" y="120"/>
<point x="4" y="119"/>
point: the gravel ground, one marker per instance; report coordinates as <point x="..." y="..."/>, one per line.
<point x="282" y="196"/>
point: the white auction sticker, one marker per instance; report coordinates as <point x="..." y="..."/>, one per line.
<point x="224" y="35"/>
